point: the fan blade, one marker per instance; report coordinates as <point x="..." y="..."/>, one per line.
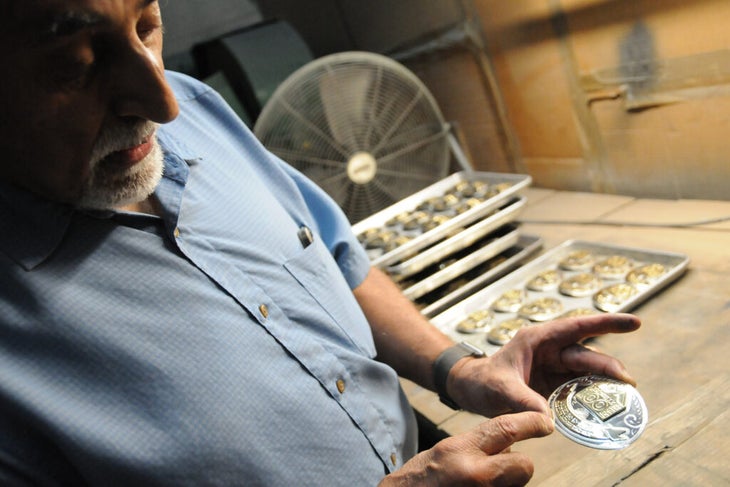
<point x="413" y="141"/>
<point x="364" y="200"/>
<point x="344" y="94"/>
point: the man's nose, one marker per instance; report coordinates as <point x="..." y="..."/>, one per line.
<point x="139" y="87"/>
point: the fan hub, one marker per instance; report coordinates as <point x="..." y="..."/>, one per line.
<point x="362" y="167"/>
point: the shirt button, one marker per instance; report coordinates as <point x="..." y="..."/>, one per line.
<point x="341" y="385"/>
<point x="264" y="311"/>
<point x="176" y="232"/>
<point x="393" y="459"/>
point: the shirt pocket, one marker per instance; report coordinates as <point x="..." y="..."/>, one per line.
<point x="317" y="272"/>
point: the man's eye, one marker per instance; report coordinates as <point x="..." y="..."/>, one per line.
<point x="145" y="31"/>
<point x="150" y="22"/>
<point x="71" y="75"/>
<point x="72" y="66"/>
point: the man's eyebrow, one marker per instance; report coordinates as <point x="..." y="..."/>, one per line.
<point x="143" y="4"/>
<point x="59" y="25"/>
<point x="69" y="23"/>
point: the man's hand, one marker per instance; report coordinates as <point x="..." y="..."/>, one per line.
<point x="536" y="361"/>
<point x="480" y="457"/>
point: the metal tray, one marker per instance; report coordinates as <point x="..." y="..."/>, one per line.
<point x="465" y="260"/>
<point x="513" y="184"/>
<point x="674" y="265"/>
<point x="459" y="241"/>
<point x="526" y="246"/>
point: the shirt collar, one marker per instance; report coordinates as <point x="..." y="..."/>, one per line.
<point x="31" y="227"/>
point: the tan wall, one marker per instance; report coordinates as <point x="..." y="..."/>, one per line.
<point x="620" y="96"/>
<point x="566" y="101"/>
<point x="564" y="68"/>
<point x="457" y="83"/>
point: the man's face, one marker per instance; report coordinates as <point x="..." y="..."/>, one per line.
<point x="83" y="89"/>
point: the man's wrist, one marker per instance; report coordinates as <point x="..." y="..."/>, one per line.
<point x="445" y="362"/>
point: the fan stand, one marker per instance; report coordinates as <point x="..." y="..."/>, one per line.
<point x="362" y="167"/>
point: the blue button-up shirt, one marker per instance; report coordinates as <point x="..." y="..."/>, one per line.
<point x="217" y="345"/>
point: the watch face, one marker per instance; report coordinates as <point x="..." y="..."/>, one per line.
<point x="599" y="412"/>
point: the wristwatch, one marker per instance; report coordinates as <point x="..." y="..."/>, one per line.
<point x="443" y="364"/>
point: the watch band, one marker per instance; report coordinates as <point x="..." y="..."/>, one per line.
<point x="443" y="364"/>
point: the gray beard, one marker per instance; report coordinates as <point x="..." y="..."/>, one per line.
<point x="107" y="189"/>
<point x="107" y="186"/>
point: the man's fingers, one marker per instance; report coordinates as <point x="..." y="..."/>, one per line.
<point x="579" y="357"/>
<point x="498" y="434"/>
<point x="573" y="330"/>
<point x="509" y="469"/>
<point x="478" y="457"/>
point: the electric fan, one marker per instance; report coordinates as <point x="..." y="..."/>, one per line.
<point x="361" y="126"/>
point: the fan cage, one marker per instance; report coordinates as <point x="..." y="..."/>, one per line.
<point x="360" y="125"/>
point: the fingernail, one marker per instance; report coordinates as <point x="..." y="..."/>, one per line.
<point x="627" y="377"/>
<point x="549" y="423"/>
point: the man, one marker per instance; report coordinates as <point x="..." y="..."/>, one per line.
<point x="176" y="304"/>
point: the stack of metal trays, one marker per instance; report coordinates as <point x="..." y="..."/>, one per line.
<point x="434" y="213"/>
<point x="575" y="278"/>
<point x="463" y="224"/>
<point x="432" y="299"/>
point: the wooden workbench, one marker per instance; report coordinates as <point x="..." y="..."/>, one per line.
<point x="680" y="357"/>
